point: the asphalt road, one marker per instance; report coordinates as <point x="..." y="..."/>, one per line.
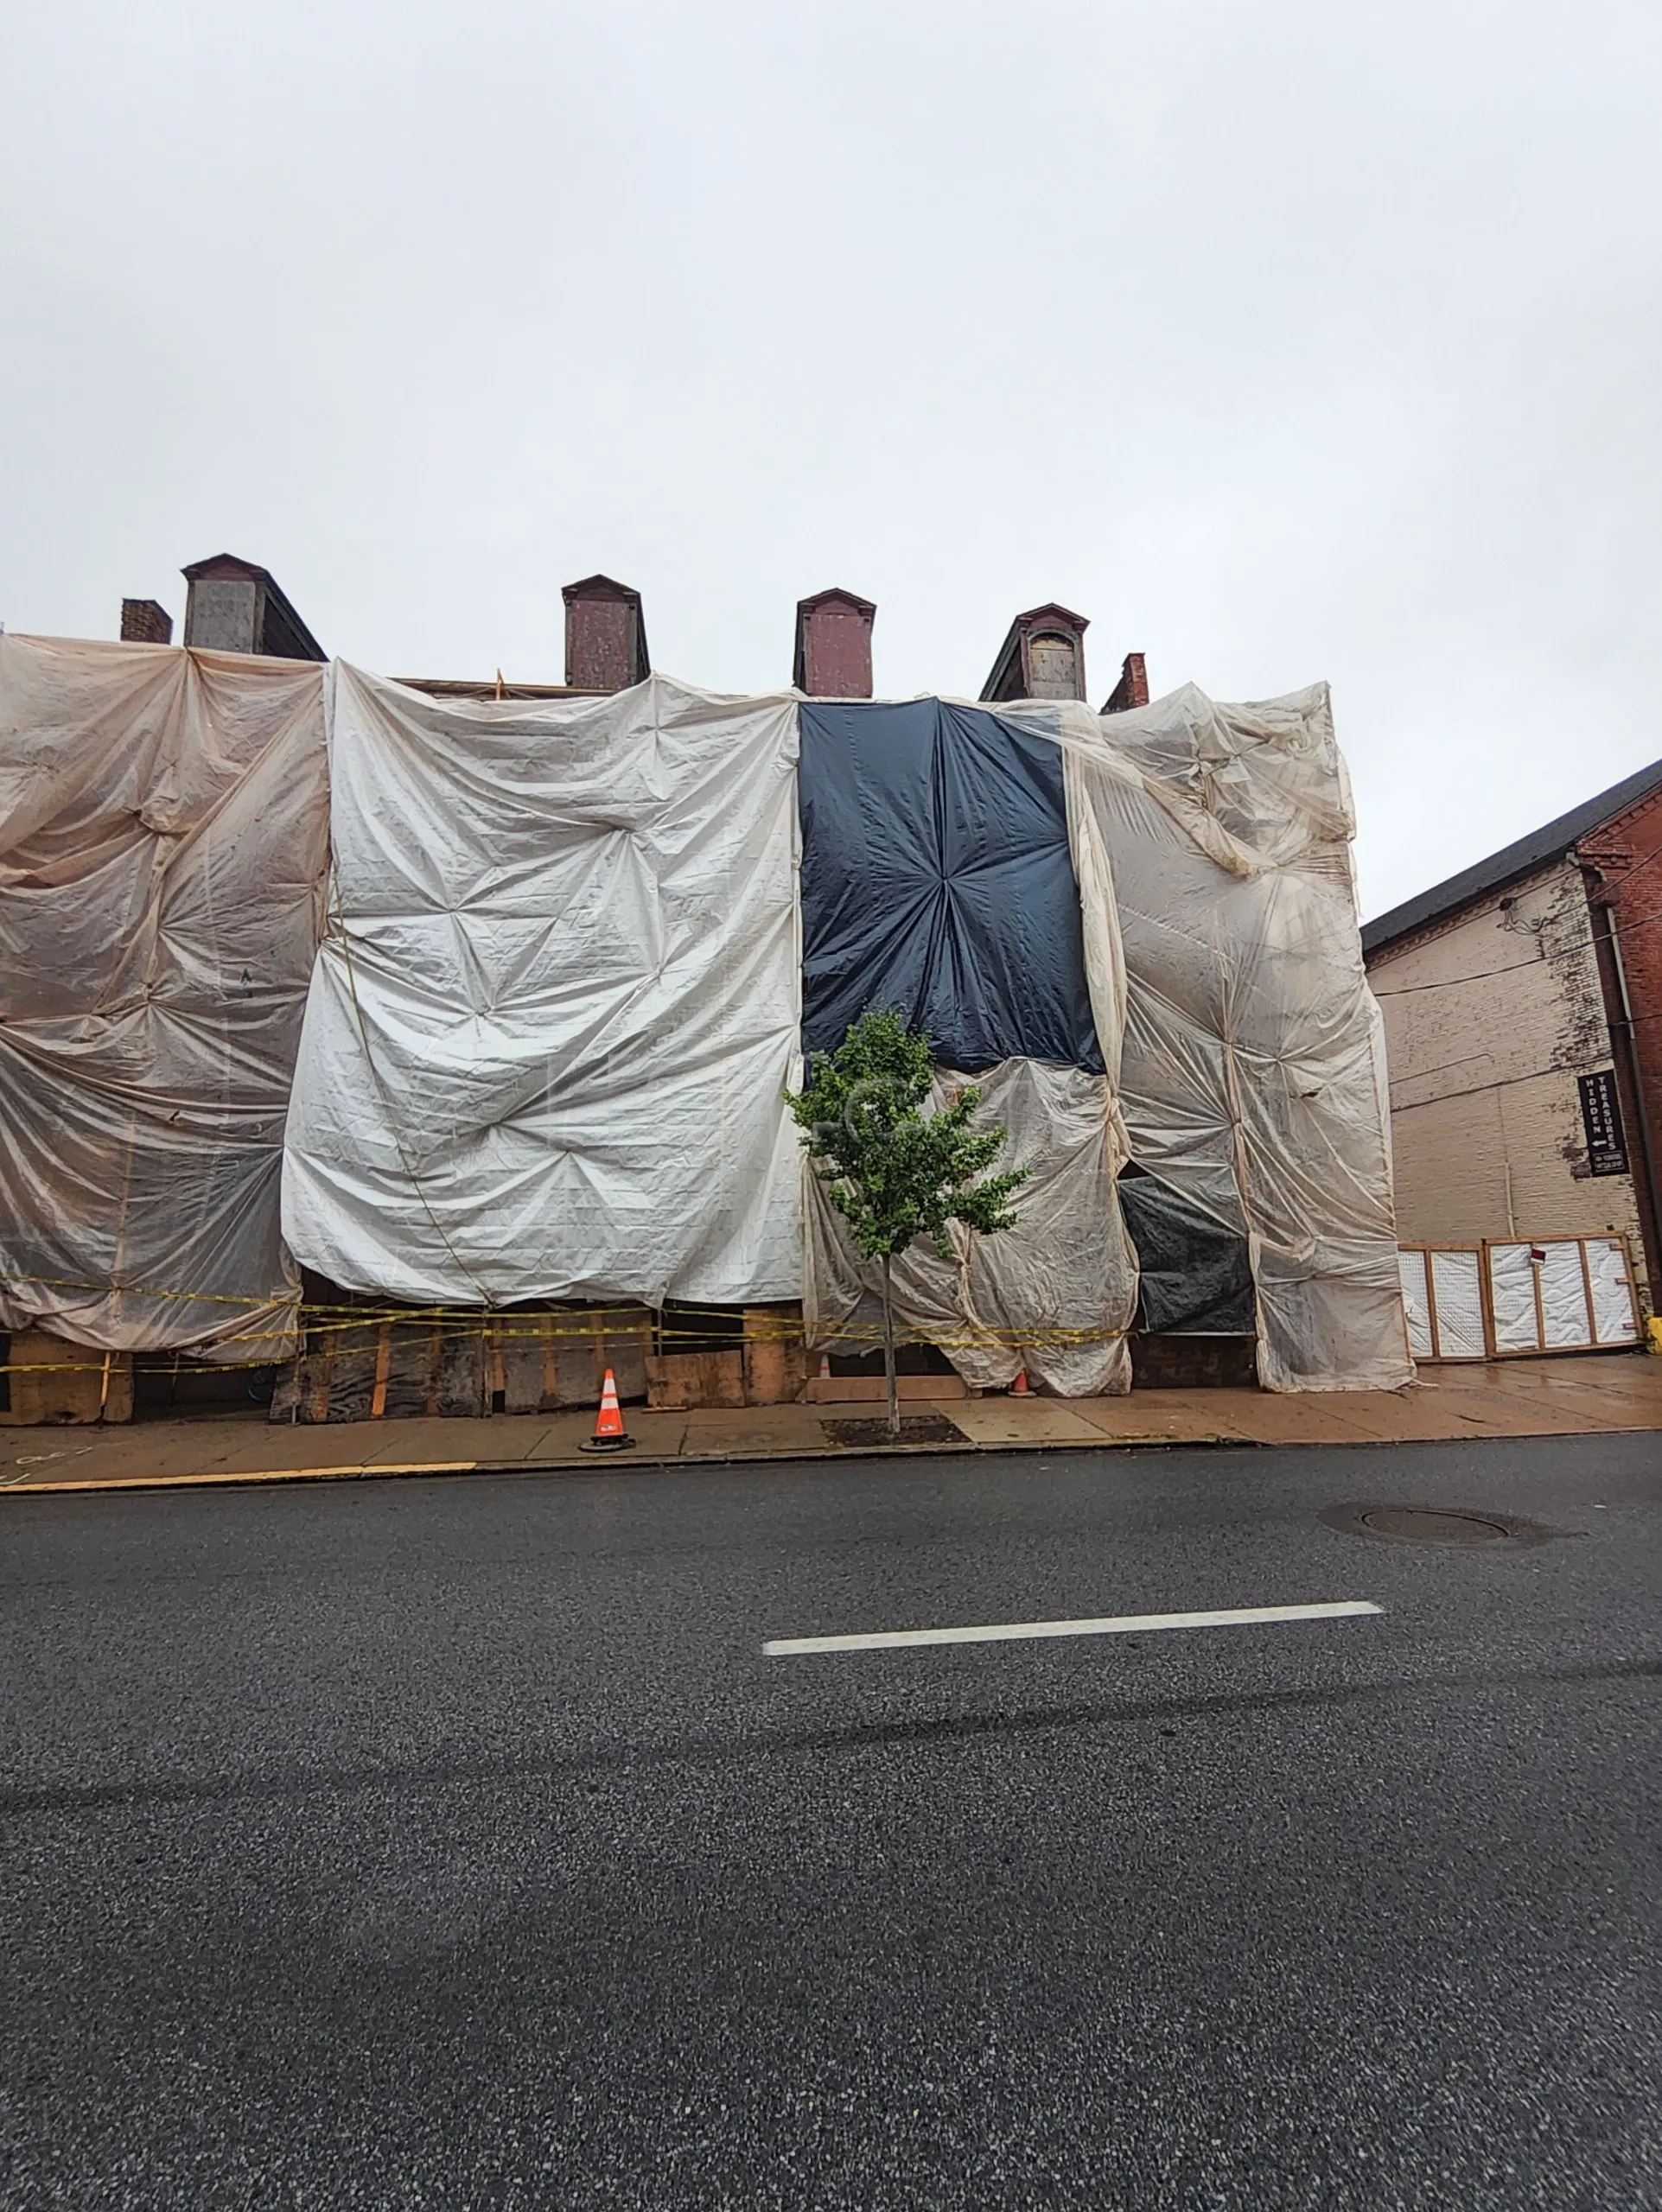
<point x="453" y="1843"/>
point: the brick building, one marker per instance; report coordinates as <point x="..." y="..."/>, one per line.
<point x="1523" y="1010"/>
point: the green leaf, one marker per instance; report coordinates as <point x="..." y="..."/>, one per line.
<point x="893" y="1168"/>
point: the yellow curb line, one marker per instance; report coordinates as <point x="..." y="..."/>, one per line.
<point x="621" y="1465"/>
<point x="1108" y="1439"/>
<point x="251" y="1475"/>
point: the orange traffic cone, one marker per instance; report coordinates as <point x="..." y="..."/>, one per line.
<point x="609" y="1435"/>
<point x="1019" y="1387"/>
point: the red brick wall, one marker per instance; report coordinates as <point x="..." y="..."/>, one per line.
<point x="605" y="636"/>
<point x="1132" y="689"/>
<point x="145" y="622"/>
<point x="1627" y="853"/>
<point x="833" y="645"/>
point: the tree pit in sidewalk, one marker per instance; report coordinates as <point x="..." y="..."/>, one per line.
<point x="916" y="1428"/>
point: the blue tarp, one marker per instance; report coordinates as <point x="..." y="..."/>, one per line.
<point x="937" y="880"/>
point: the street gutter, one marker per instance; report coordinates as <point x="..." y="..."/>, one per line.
<point x="412" y="1470"/>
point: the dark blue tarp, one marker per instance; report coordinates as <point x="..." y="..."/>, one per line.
<point x="937" y="880"/>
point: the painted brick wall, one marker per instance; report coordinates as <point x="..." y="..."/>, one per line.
<point x="1485" y="1118"/>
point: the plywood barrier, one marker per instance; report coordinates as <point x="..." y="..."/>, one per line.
<point x="385" y="1366"/>
<point x="52" y="1381"/>
<point x="1513" y="1297"/>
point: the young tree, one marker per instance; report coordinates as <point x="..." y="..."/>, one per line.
<point x="894" y="1171"/>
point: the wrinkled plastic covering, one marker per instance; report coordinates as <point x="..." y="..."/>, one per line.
<point x="1416" y="1306"/>
<point x="1054" y="1294"/>
<point x="937" y="880"/>
<point x="1511" y="1297"/>
<point x="164" y="843"/>
<point x="1561" y="1279"/>
<point x="1565" y="1318"/>
<point x="1251" y="1071"/>
<point x="558" y="1004"/>
<point x="1457" y="1282"/>
<point x="560" y="998"/>
<point x="1615" y="1314"/>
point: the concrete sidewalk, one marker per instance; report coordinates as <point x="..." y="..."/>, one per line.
<point x="1571" y="1396"/>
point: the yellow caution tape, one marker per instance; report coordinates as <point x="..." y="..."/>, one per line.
<point x="312" y="1326"/>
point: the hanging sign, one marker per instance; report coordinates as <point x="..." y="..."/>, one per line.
<point x="1607" y="1147"/>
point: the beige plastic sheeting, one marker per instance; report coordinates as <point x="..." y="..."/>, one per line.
<point x="554" y="1017"/>
<point x="163" y="848"/>
<point x="1055" y="1294"/>
<point x="1252" y="1075"/>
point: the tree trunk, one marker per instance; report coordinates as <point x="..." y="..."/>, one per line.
<point x="888" y="1354"/>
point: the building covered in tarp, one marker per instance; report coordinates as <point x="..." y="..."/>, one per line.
<point x="556" y="1010"/>
<point x="163" y="854"/>
<point x="1214" y="842"/>
<point x="573" y="953"/>
<point x="1138" y="933"/>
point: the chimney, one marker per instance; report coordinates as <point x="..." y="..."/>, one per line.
<point x="833" y="645"/>
<point x="1043" y="657"/>
<point x="145" y="622"/>
<point x="1132" y="689"/>
<point x="231" y="607"/>
<point x="605" y="636"/>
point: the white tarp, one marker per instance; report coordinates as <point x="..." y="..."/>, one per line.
<point x="1457" y="1282"/>
<point x="1443" y="1302"/>
<point x="1540" y="1294"/>
<point x="558" y="1003"/>
<point x="1416" y="1306"/>
<point x="1511" y="1299"/>
<point x="1615" y="1310"/>
<point x="1054" y="1294"/>
<point x="1253" y="1064"/>
<point x="163" y="843"/>
<point x="1566" y="1320"/>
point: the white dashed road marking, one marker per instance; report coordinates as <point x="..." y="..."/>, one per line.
<point x="901" y="1639"/>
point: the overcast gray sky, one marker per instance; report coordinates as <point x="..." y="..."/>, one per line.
<point x="1288" y="339"/>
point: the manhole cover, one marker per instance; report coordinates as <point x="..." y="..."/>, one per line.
<point x="1409" y="1524"/>
<point x="1449" y="1527"/>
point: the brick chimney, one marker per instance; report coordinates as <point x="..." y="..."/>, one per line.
<point x="145" y="622"/>
<point x="1043" y="657"/>
<point x="833" y="645"/>
<point x="1132" y="689"/>
<point x="233" y="606"/>
<point x="605" y="636"/>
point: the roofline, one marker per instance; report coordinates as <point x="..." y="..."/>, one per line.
<point x="303" y="630"/>
<point x="1550" y="842"/>
<point x="836" y="591"/>
<point x="608" y="587"/>
<point x="469" y="687"/>
<point x="1052" y="606"/>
